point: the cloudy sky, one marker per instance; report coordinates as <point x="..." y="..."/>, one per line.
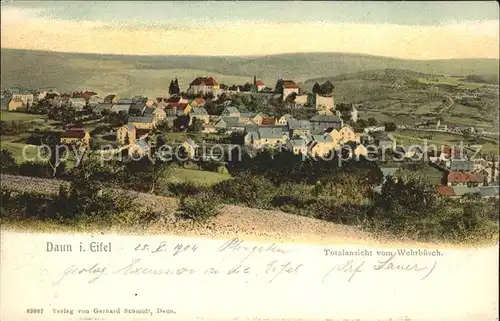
<point x="414" y="30"/>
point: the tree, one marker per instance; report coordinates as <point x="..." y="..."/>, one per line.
<point x="181" y="123"/>
<point x="372" y="121"/>
<point x="197" y="125"/>
<point x="390" y="126"/>
<point x="8" y="163"/>
<point x="53" y="151"/>
<point x="327" y="88"/>
<point x="173" y="88"/>
<point x="279" y="87"/>
<point x="316" y="89"/>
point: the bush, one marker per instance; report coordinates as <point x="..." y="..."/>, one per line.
<point x="36" y="169"/>
<point x="253" y="191"/>
<point x="201" y="206"/>
<point x="184" y="189"/>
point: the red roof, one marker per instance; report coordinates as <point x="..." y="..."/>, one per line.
<point x="290" y="84"/>
<point x="173" y="99"/>
<point x="459" y="177"/>
<point x="259" y="83"/>
<point x="446" y="191"/>
<point x="208" y="81"/>
<point x="178" y="106"/>
<point x="74" y="133"/>
<point x="141" y="132"/>
<point x="269" y="121"/>
<point x="84" y="94"/>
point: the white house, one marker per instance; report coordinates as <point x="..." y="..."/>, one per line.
<point x="77" y="103"/>
<point x="289" y="87"/>
<point x="204" y="85"/>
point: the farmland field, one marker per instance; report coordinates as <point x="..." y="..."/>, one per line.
<point x="453" y="81"/>
<point x="17" y="116"/>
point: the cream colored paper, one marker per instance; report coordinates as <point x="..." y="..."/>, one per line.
<point x="255" y="280"/>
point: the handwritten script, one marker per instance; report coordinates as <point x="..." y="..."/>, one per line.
<point x="245" y="262"/>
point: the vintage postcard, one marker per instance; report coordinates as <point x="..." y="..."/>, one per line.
<point x="249" y="160"/>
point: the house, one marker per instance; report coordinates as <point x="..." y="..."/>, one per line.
<point x="268" y="121"/>
<point x="142" y="122"/>
<point x="460" y="191"/>
<point x="223" y="87"/>
<point x="321" y="145"/>
<point x="191" y="147"/>
<point x="22" y="94"/>
<point x="159" y="115"/>
<point x="198" y="102"/>
<point x="360" y="150"/>
<point x="323" y="122"/>
<point x="100" y="108"/>
<point x="266" y="137"/>
<point x="461" y="165"/>
<point x="41" y="93"/>
<point x="199" y="113"/>
<point x="230" y="124"/>
<point x="177" y="109"/>
<point x="177" y="99"/>
<point x="234" y="89"/>
<point x="75" y="135"/>
<point x="289" y="87"/>
<point x="124" y="133"/>
<point x="323" y="104"/>
<point x="258" y="118"/>
<point x="386" y="141"/>
<point x="414" y="152"/>
<point x="137" y="109"/>
<point x="120" y="108"/>
<point x="388" y="172"/>
<point x="230" y="112"/>
<point x="260" y="85"/>
<point x="301" y="100"/>
<point x="94" y="100"/>
<point x="140" y="148"/>
<point x="446" y="191"/>
<point x="347" y="134"/>
<point x="148" y="111"/>
<point x="209" y="129"/>
<point x="298" y="146"/>
<point x="283" y="120"/>
<point x="204" y="85"/>
<point x="489" y="191"/>
<point x="77" y="103"/>
<point x="464" y="179"/>
<point x="15" y="104"/>
<point x="299" y="127"/>
<point x="246" y="116"/>
<point x="111" y="99"/>
<point x="126" y="101"/>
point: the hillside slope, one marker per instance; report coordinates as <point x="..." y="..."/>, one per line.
<point x="234" y="221"/>
<point x="150" y="75"/>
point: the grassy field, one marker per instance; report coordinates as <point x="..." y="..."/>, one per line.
<point x="17" y="116"/>
<point x="17" y="150"/>
<point x="198" y="176"/>
<point x="409" y="137"/>
<point x="453" y="81"/>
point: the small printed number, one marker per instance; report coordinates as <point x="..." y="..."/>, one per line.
<point x="34" y="311"/>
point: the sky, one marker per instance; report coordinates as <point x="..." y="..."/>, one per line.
<point x="409" y="30"/>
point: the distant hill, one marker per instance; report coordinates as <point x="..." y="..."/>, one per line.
<point x="380" y="75"/>
<point x="150" y="75"/>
